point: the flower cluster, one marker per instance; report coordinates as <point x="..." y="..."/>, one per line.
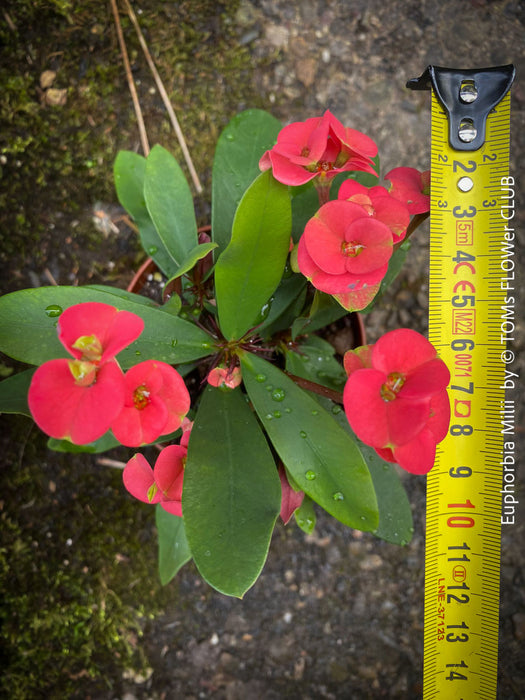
<point x="396" y="400"/>
<point x="80" y="399"/>
<point x="346" y="247"/>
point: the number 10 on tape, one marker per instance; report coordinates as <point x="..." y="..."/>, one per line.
<point x="467" y="289"/>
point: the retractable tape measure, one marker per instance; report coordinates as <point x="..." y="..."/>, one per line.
<point x="468" y="292"/>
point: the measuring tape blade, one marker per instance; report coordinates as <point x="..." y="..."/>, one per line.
<point x="468" y="292"/>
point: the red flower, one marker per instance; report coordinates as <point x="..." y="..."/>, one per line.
<point x="318" y="147"/>
<point x="225" y="376"/>
<point x="75" y="400"/>
<point x="97" y="332"/>
<point x="155" y="402"/>
<point x="78" y="399"/>
<point x="345" y="252"/>
<point x="379" y="204"/>
<point x="411" y="187"/>
<point x="163" y="483"/>
<point x="395" y="398"/>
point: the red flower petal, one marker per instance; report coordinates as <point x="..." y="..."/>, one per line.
<point x="439" y="415"/>
<point x="134" y="427"/>
<point x="156" y="402"/>
<point x="402" y="350"/>
<point x="175" y="395"/>
<point x="410" y="186"/>
<point x="418" y="455"/>
<point x="376" y="239"/>
<point x="378" y="422"/>
<point x="365" y="409"/>
<point x="113" y="328"/>
<point x="138" y="480"/>
<point x="66" y="410"/>
<point x="173" y="507"/>
<point x="357" y="359"/>
<point x="355" y="301"/>
<point x="426" y="380"/>
<point x="169" y="472"/>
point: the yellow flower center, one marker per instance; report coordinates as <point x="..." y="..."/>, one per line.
<point x="351" y="248"/>
<point x="392" y="386"/>
<point x="141" y="397"/>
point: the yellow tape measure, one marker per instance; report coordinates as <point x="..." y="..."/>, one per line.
<point x="468" y="290"/>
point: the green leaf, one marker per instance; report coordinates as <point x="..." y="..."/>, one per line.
<point x="286" y="303"/>
<point x="324" y="310"/>
<point x="314" y="359"/>
<point x="170" y="204"/>
<point x="305" y="516"/>
<point x="13" y="393"/>
<point x="322" y="458"/>
<point x="250" y="269"/>
<point x="106" y="442"/>
<point x="395" y="514"/>
<point x="29" y="334"/>
<point x="236" y="165"/>
<point x="200" y="251"/>
<point x="232" y="492"/>
<point x="129" y="172"/>
<point x="174" y="550"/>
<point x="124" y="294"/>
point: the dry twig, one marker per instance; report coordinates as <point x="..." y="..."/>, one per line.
<point x="165" y="98"/>
<point x="131" y="83"/>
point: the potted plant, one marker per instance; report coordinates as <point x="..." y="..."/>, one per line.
<point x="253" y="413"/>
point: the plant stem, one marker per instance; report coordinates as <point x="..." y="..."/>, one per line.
<point x="319" y="389"/>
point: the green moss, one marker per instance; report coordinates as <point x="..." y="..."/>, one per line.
<point x="78" y="564"/>
<point x="78" y="573"/>
<point x="57" y="161"/>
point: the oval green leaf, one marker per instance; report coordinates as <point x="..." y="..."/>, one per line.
<point x="28" y="331"/>
<point x="236" y="165"/>
<point x="174" y="550"/>
<point x="170" y="204"/>
<point x="129" y="172"/>
<point x="322" y="458"/>
<point x="250" y="269"/>
<point x="232" y="493"/>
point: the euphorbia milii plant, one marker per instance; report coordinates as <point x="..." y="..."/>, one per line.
<point x="230" y="382"/>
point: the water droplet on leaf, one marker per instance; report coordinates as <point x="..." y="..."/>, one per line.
<point x="338" y="496"/>
<point x="152" y="250"/>
<point x="277" y="414"/>
<point x="260" y="378"/>
<point x="53" y="310"/>
<point x="310" y="475"/>
<point x="278" y="395"/>
<point x="302" y="434"/>
<point x="336" y="409"/>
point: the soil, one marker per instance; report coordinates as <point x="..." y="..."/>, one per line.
<point x="337" y="614"/>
